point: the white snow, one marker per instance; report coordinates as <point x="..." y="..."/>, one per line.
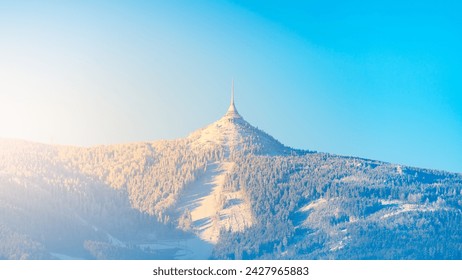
<point x="390" y="202"/>
<point x="233" y="132"/>
<point x="406" y="207"/>
<point x="313" y="205"/>
<point x="192" y="248"/>
<point x="206" y="199"/>
<point x="399" y="169"/>
<point x="223" y="132"/>
<point x="354" y="179"/>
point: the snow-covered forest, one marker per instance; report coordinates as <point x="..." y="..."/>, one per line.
<point x="321" y="206"/>
<point x="227" y="191"/>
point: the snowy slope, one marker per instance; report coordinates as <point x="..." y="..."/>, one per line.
<point x="234" y="133"/>
<point x="228" y="190"/>
<point x="212" y="207"/>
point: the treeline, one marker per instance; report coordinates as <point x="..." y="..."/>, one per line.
<point x="305" y="205"/>
<point x="49" y="205"/>
<point x="319" y="206"/>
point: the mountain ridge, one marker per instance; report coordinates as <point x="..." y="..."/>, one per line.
<point x="226" y="191"/>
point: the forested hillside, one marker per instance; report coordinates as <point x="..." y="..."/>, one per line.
<point x="227" y="191"/>
<point x="320" y="206"/>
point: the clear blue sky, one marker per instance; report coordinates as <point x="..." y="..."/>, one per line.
<point x="375" y="79"/>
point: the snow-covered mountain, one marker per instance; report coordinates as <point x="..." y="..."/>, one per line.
<point x="233" y="133"/>
<point x="226" y="191"/>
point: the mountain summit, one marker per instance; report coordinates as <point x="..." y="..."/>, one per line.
<point x="226" y="191"/>
<point x="233" y="133"/>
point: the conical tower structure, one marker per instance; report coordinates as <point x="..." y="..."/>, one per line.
<point x="232" y="111"/>
<point x="233" y="132"/>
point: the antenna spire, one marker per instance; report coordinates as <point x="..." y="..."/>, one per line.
<point x="232" y="112"/>
<point x="232" y="93"/>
